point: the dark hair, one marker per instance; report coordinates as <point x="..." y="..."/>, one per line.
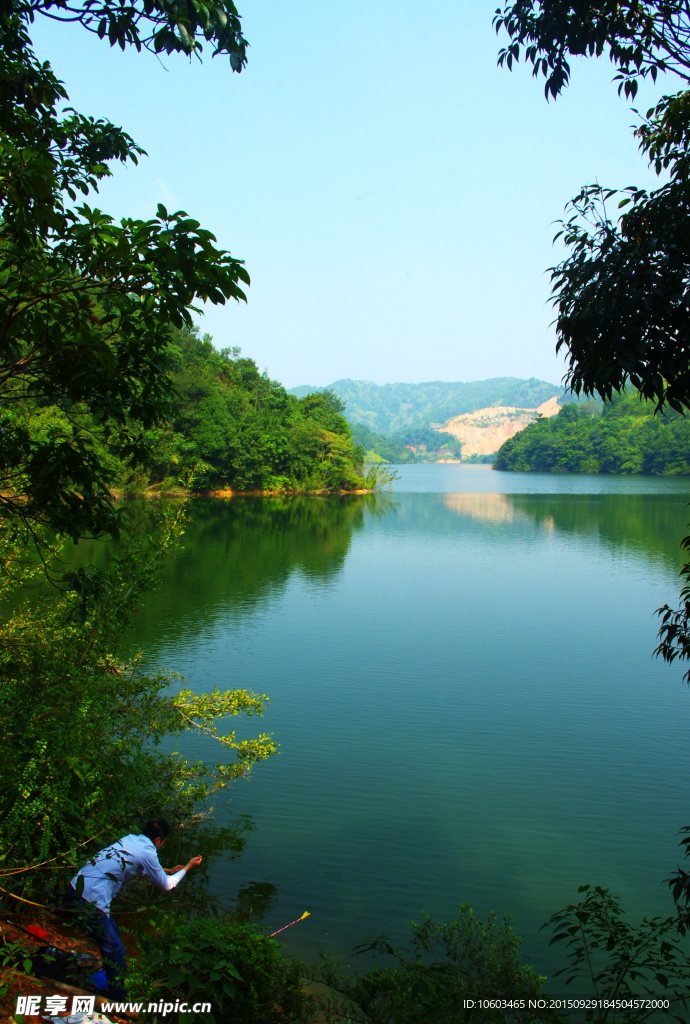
<point x="156" y="828"/>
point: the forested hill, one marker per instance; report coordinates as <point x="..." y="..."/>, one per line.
<point x="231" y="427"/>
<point x="389" y="408"/>
<point x="242" y="430"/>
<point x="621" y="437"/>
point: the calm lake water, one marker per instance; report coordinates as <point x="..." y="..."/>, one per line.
<point x="462" y="688"/>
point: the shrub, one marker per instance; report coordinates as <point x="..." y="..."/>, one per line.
<point x="628" y="967"/>
<point x="82" y="726"/>
<point x="240" y="971"/>
<point x="448" y="964"/>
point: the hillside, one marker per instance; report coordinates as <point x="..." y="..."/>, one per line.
<point x="414" y="444"/>
<point x="484" y="431"/>
<point x="239" y="429"/>
<point x="621" y="437"/>
<point x="390" y="408"/>
<point x="231" y="427"/>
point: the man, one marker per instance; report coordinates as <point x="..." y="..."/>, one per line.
<point x="103" y="877"/>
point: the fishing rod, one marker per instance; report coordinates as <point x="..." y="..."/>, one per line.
<point x="305" y="914"/>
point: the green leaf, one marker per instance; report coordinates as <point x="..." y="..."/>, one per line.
<point x="176" y="977"/>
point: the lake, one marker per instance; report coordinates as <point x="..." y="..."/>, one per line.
<point x="461" y="682"/>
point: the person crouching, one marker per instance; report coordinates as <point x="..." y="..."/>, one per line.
<point x="104" y="875"/>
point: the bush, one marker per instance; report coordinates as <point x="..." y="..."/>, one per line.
<point x="449" y="963"/>
<point x="82" y="726"/>
<point x="240" y="971"/>
<point x="636" y="965"/>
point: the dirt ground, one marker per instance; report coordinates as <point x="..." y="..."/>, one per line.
<point x="61" y="933"/>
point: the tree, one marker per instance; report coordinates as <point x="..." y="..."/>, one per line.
<point x="620" y="436"/>
<point x="82" y="723"/>
<point x="86" y="305"/>
<point x="629" y="968"/>
<point x="621" y="295"/>
<point x="640" y="38"/>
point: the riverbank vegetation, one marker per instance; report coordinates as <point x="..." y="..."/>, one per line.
<point x="233" y="427"/>
<point x="82" y="720"/>
<point x="622" y="435"/>
<point x="227" y="426"/>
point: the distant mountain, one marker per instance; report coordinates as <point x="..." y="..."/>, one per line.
<point x="388" y="408"/>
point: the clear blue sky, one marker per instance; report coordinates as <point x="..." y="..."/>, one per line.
<point x="391" y="190"/>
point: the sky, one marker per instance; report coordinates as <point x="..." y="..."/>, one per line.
<point x="392" y="192"/>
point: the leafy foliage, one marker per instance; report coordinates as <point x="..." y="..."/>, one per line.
<point x="86" y="304"/>
<point x="233" y="427"/>
<point x="240" y="971"/>
<point x="82" y="726"/>
<point x="641" y="39"/>
<point x="621" y="294"/>
<point x="387" y="448"/>
<point x="621" y="961"/>
<point x="15" y="959"/>
<point x="173" y="27"/>
<point x="623" y="436"/>
<point x="679" y="884"/>
<point x="465" y="959"/>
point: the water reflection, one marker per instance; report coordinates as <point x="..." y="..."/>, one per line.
<point x="635" y="523"/>
<point x="486" y="508"/>
<point x="462" y="689"/>
<point x="255" y="901"/>
<point x="239" y="554"/>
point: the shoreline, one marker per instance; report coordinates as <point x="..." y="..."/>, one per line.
<point x="229" y="493"/>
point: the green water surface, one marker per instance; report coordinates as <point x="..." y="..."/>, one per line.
<point x="462" y="688"/>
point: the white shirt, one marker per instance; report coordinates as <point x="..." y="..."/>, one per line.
<point x="106" y="873"/>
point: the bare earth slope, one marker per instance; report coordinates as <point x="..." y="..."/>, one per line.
<point x="483" y="432"/>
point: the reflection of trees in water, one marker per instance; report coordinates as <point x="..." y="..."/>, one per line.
<point x="647" y="524"/>
<point x="651" y="525"/>
<point x="254" y="900"/>
<point x="240" y="552"/>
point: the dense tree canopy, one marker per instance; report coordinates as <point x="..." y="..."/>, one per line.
<point x="231" y="426"/>
<point x="622" y="294"/>
<point x="622" y="436"/>
<point x="86" y="304"/>
<point x="416" y="443"/>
